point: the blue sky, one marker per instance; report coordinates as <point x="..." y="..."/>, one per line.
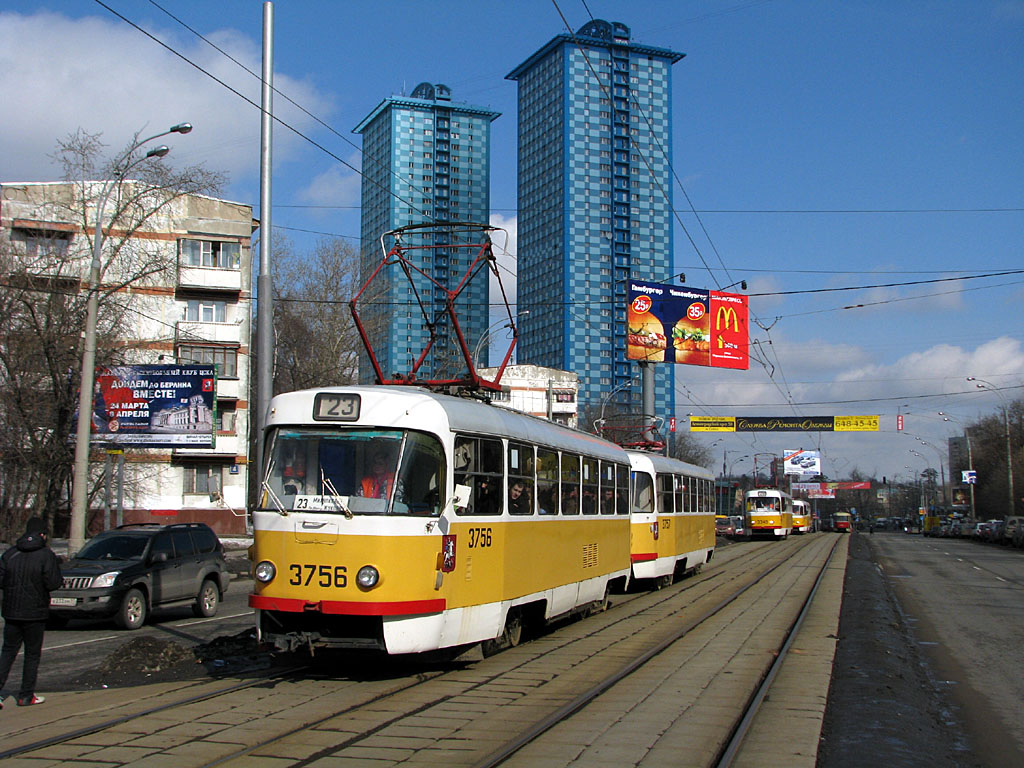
<point x="824" y="144"/>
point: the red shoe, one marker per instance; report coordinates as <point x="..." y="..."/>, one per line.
<point x="28" y="702"/>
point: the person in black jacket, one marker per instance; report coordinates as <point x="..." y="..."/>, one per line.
<point x="29" y="572"/>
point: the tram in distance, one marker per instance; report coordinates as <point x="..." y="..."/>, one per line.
<point x="801" y="516"/>
<point x="768" y="512"/>
<point x="837" y="521"/>
<point x="401" y="520"/>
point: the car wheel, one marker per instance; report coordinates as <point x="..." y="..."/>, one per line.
<point x="207" y="600"/>
<point x="134" y="610"/>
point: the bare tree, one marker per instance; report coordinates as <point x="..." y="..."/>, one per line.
<point x="317" y="343"/>
<point x="43" y="293"/>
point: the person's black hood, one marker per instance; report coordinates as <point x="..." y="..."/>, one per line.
<point x="29" y="542"/>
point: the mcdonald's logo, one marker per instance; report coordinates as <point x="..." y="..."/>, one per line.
<point x="727" y="314"/>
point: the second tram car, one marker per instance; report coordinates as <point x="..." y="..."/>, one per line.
<point x="672" y="521"/>
<point x="402" y="520"/>
<point x="801" y="516"/>
<point x="768" y="512"/>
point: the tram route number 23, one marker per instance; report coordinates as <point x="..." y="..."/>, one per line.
<point x="326" y="576"/>
<point x="479" y="537"/>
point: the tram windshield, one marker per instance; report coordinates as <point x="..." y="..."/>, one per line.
<point x="763" y="505"/>
<point x="353" y="472"/>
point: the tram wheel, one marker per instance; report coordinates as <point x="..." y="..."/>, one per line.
<point x="510" y="636"/>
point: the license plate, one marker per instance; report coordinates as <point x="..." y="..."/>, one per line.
<point x="69" y="602"/>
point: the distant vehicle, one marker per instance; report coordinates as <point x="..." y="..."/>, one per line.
<point x="768" y="511"/>
<point x="125" y="572"/>
<point x="841" y="522"/>
<point x="724" y="525"/>
<point x="801" y="516"/>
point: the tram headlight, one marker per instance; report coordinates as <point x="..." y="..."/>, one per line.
<point x="367" y="577"/>
<point x="264" y="572"/>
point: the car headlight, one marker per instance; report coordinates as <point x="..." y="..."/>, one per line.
<point x="264" y="572"/>
<point x="367" y="577"/>
<point x="106" y="580"/>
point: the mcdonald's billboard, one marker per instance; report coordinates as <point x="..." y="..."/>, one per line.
<point x="676" y="324"/>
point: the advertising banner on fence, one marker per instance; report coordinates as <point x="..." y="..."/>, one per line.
<point x="155" y="406"/>
<point x="691" y="326"/>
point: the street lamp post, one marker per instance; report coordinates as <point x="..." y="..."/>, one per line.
<point x="982" y="384"/>
<point x="80" y="477"/>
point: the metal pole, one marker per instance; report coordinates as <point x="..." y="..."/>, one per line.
<point x="1009" y="463"/>
<point x="647" y="393"/>
<point x="264" y="284"/>
<point x="120" y="489"/>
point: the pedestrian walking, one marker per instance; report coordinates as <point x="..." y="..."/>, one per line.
<point x="29" y="572"/>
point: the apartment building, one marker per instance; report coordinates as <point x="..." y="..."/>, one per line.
<point x="181" y="281"/>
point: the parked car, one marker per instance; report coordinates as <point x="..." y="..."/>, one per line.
<point x="125" y="572"/>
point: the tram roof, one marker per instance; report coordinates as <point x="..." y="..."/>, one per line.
<point x="392" y="405"/>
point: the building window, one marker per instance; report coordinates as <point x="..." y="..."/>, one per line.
<point x="225" y="358"/>
<point x="205" y="311"/>
<point x="42" y="242"/>
<point x="203" y="477"/>
<point x="211" y="253"/>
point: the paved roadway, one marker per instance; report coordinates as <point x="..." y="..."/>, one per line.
<point x="83" y="644"/>
<point x="965" y="601"/>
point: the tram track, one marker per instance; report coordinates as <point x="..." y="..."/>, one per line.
<point x="465" y="709"/>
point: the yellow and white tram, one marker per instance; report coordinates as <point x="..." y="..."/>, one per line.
<point x="672" y="521"/>
<point x="769" y="512"/>
<point x="398" y="519"/>
<point x="801" y="516"/>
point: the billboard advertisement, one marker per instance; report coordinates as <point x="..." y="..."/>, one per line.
<point x="154" y="406"/>
<point x="691" y="326"/>
<point x="801" y="462"/>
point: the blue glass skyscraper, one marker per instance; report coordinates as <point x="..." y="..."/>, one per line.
<point x="595" y="205"/>
<point x="425" y="159"/>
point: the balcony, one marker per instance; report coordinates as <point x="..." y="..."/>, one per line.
<point x="210" y="279"/>
<point x="189" y="331"/>
<point x="226" y="445"/>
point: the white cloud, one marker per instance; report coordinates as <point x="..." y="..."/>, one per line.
<point x="505" y="251"/>
<point x="337" y="185"/>
<point x="104" y="76"/>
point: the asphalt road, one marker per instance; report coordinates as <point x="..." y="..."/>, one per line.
<point x="967" y="601"/>
<point x="84" y="645"/>
<point x="928" y="668"/>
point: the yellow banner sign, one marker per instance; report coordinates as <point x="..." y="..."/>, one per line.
<point x="712" y="423"/>
<point x="856" y="424"/>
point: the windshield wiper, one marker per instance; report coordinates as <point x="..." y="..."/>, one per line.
<point x="326" y="483"/>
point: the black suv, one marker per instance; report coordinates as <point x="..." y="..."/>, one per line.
<point x="124" y="572"/>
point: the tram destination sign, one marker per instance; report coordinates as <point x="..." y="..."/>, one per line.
<point x="691" y="326"/>
<point x="784" y="423"/>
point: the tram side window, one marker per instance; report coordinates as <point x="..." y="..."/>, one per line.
<point x="547" y="481"/>
<point x="607" y="488"/>
<point x="621" y="489"/>
<point x="521" y="486"/>
<point x="682" y="483"/>
<point x="570" y="485"/>
<point x="643" y="492"/>
<point x="665" y="503"/>
<point x="478" y="464"/>
<point x="419" y="485"/>
<point x="590" y="482"/>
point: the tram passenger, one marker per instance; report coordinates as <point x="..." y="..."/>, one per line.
<point x="486" y="501"/>
<point x="519" y="502"/>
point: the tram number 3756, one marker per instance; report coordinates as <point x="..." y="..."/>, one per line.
<point x="479" y="537"/>
<point x="326" y="576"/>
